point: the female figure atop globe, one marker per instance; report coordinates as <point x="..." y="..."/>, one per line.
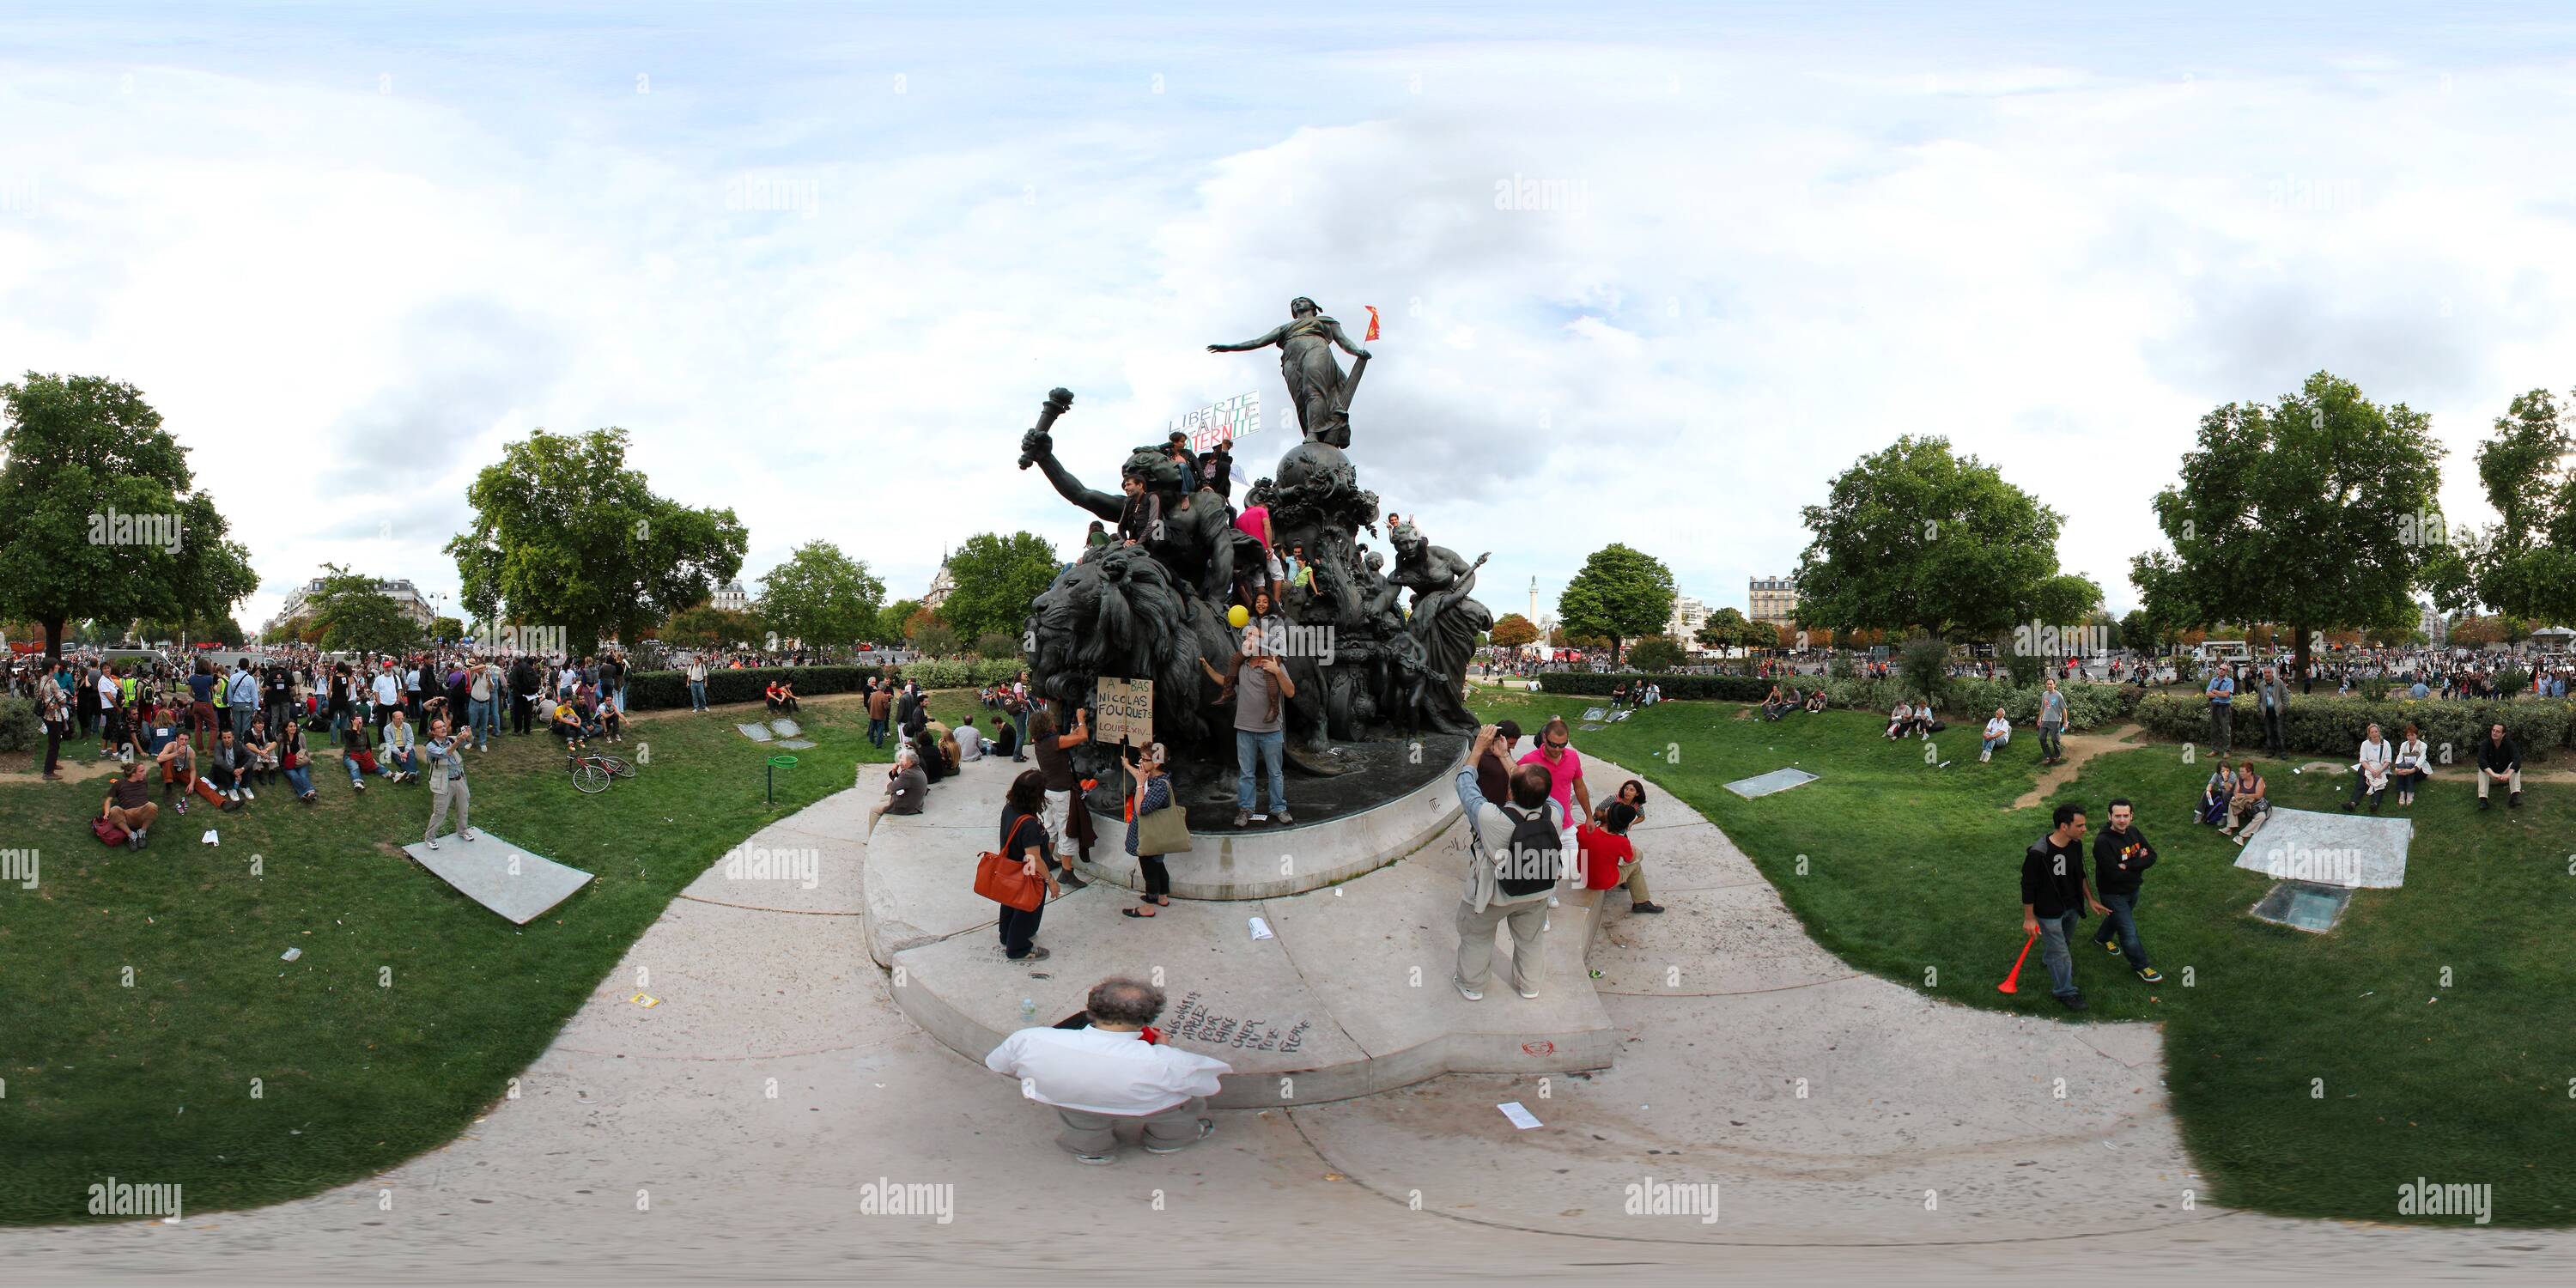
<point x="1316" y="386"/>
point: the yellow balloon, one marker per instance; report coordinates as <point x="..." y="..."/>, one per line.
<point x="1238" y="616"/>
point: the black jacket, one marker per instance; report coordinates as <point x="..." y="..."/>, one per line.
<point x="2499" y="757"/>
<point x="2120" y="861"/>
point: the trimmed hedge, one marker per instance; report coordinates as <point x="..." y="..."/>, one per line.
<point x="2333" y="727"/>
<point x="2087" y="705"/>
<point x="664" y="690"/>
<point x="20" y="727"/>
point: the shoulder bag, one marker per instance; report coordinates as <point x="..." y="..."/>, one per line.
<point x="1004" y="878"/>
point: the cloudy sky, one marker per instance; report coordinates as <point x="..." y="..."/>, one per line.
<point x="824" y="261"/>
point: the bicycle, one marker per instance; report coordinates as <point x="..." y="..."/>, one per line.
<point x="589" y="775"/>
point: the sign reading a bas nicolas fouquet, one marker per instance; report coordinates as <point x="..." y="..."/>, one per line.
<point x="1125" y="709"/>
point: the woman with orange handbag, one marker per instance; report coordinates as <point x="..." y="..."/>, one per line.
<point x="1024" y="837"/>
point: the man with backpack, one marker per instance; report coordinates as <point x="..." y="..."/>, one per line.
<point x="1515" y="855"/>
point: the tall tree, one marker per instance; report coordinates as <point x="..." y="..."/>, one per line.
<point x="2308" y="512"/>
<point x="1621" y="594"/>
<point x="995" y="578"/>
<point x="81" y="454"/>
<point x="352" y="613"/>
<point x="707" y="626"/>
<point x="894" y="621"/>
<point x="821" y="596"/>
<point x="2525" y="564"/>
<point x="1917" y="538"/>
<point x="566" y="535"/>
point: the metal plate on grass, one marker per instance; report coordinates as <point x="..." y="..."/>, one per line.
<point x="784" y="728"/>
<point x="2302" y="905"/>
<point x="757" y="733"/>
<point x="1778" y="780"/>
<point x="794" y="744"/>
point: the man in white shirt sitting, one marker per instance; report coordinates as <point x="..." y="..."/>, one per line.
<point x="2376" y="755"/>
<point x="1998" y="732"/>
<point x="1098" y="1075"/>
<point x="970" y="741"/>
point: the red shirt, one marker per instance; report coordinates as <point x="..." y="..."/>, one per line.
<point x="1604" y="852"/>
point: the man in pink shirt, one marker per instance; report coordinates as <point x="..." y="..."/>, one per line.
<point x="1555" y="753"/>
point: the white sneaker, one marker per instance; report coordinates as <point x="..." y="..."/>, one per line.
<point x="1463" y="991"/>
<point x="433" y="845"/>
<point x="467" y="833"/>
<point x="1530" y="993"/>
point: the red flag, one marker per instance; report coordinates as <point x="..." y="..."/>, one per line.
<point x="1372" y="312"/>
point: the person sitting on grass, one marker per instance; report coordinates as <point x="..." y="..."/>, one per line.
<point x="2214" y="794"/>
<point x="2247" y="806"/>
<point x="129" y="805"/>
<point x="293" y="762"/>
<point x="2499" y="761"/>
<point x="1998" y="732"/>
<point x="260" y="752"/>
<point x="1816" y="699"/>
<point x="2373" y="766"/>
<point x="229" y="767"/>
<point x="1900" y="722"/>
<point x="565" y="723"/>
<point x="402" y="748"/>
<point x="356" y="754"/>
<point x="787" y="694"/>
<point x="1776" y="705"/>
<point x="776" y="694"/>
<point x="2411" y="765"/>
<point x="612" y="722"/>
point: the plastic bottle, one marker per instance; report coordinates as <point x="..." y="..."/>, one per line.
<point x="1028" y="1011"/>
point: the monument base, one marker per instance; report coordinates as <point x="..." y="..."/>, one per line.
<point x="1350" y="994"/>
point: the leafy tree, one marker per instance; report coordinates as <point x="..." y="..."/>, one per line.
<point x="1655" y="653"/>
<point x="1512" y="630"/>
<point x="1620" y="594"/>
<point x="352" y="614"/>
<point x="446" y="628"/>
<point x="2526" y="563"/>
<point x="566" y="535"/>
<point x="994" y="578"/>
<point x="2138" y="631"/>
<point x="1925" y="664"/>
<point x="79" y="453"/>
<point x="821" y="596"/>
<point x="997" y="645"/>
<point x="707" y="626"/>
<point x="2309" y="512"/>
<point x="894" y="621"/>
<point x="1723" y="630"/>
<point x="1916" y="538"/>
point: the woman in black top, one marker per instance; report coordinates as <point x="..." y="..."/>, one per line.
<point x="1024" y="837"/>
<point x="933" y="765"/>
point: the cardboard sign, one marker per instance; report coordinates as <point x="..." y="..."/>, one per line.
<point x="1124" y="711"/>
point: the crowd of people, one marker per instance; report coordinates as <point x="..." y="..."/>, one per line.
<point x="221" y="728"/>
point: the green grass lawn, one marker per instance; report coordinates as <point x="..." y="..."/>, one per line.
<point x="2428" y="1036"/>
<point x="148" y="1077"/>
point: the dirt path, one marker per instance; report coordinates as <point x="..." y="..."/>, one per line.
<point x="2080" y="747"/>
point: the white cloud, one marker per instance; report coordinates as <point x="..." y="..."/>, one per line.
<point x="833" y="307"/>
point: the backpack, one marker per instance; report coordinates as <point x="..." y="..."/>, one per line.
<point x="1536" y="847"/>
